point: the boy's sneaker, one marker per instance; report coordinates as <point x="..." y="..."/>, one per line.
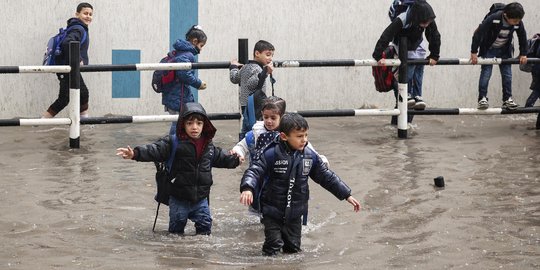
<point x="410" y="101"/>
<point x="419" y="103"/>
<point x="509" y="104"/>
<point x="483" y="104"/>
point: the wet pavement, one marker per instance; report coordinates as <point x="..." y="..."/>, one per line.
<point x="89" y="209"/>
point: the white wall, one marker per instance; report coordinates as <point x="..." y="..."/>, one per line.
<point x="301" y="29"/>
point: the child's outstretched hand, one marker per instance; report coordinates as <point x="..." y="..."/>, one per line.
<point x="235" y="62"/>
<point x="246" y="198"/>
<point x="354" y="202"/>
<point x="125" y="153"/>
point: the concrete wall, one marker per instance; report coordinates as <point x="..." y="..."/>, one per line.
<point x="302" y="29"/>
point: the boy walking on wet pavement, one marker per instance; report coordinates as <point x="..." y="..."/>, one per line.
<point x="192" y="167"/>
<point x="494" y="37"/>
<point x="285" y="166"/>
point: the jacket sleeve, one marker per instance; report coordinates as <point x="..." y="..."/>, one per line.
<point x="250" y="180"/>
<point x="188" y="76"/>
<point x="434" y="38"/>
<point x="386" y="37"/>
<point x="522" y="38"/>
<point x="158" y="151"/>
<point x="254" y="78"/>
<point x="241" y="148"/>
<point x="234" y="74"/>
<point x="329" y="180"/>
<point x="223" y="160"/>
<point x="480" y="32"/>
<point x="75" y="34"/>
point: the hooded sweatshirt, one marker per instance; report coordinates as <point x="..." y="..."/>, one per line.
<point x="74" y="35"/>
<point x="408" y="24"/>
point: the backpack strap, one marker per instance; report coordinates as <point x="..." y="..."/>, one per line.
<point x="173" y="152"/>
<point x="78" y="26"/>
<point x="251" y="110"/>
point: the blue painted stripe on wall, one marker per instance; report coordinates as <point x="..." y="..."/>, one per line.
<point x="126" y="84"/>
<point x="182" y="15"/>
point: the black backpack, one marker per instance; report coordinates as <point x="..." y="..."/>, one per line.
<point x="494" y="8"/>
<point x="533" y="45"/>
<point x="163" y="179"/>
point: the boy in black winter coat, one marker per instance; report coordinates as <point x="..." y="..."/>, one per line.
<point x="494" y="38"/>
<point x="83" y="18"/>
<point x="285" y="166"/>
<point x="192" y="167"/>
<point x="418" y="21"/>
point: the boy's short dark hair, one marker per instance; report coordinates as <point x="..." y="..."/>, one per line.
<point x="196" y="32"/>
<point x="84" y="5"/>
<point x="274" y="103"/>
<point x="514" y="11"/>
<point x="263" y="45"/>
<point x="194" y="116"/>
<point x="292" y="121"/>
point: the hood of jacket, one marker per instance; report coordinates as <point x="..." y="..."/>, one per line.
<point x="420" y="12"/>
<point x="208" y="132"/>
<point x="185" y="46"/>
<point x="73" y="21"/>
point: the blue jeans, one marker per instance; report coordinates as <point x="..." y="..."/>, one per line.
<point x="245" y="123"/>
<point x="506" y="74"/>
<point x="180" y="211"/>
<point x="415" y="76"/>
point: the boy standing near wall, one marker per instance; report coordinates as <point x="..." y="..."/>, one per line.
<point x="252" y="77"/>
<point x="494" y="37"/>
<point x="82" y="19"/>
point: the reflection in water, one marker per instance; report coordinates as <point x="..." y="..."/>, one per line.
<point x="86" y="208"/>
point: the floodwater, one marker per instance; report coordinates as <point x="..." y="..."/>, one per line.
<point x="89" y="209"/>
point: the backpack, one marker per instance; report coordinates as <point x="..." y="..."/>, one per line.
<point x="533" y="45"/>
<point x="384" y="75"/>
<point x="163" y="79"/>
<point x="399" y="6"/>
<point x="494" y="8"/>
<point x="54" y="46"/>
<point x="163" y="179"/>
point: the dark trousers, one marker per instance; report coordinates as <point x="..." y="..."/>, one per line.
<point x="63" y="96"/>
<point x="280" y="235"/>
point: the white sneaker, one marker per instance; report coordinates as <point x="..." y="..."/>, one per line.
<point x="410" y="101"/>
<point x="419" y="103"/>
<point x="510" y="104"/>
<point x="483" y="104"/>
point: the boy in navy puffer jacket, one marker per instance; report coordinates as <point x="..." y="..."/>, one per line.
<point x="180" y="93"/>
<point x="286" y="165"/>
<point x="192" y="167"/>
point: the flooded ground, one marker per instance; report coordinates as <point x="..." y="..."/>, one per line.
<point x="89" y="209"/>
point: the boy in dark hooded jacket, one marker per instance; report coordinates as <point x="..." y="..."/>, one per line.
<point x="192" y="167"/>
<point x="419" y="19"/>
<point x="286" y="165"/>
<point x="82" y="19"/>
